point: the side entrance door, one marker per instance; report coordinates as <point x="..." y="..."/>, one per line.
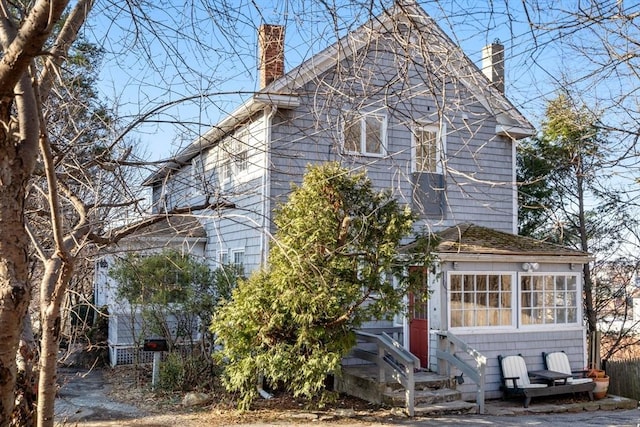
<point x="418" y="321"/>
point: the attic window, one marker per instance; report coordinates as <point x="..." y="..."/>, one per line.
<point x="365" y="133"/>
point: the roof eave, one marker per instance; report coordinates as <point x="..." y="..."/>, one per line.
<point x="248" y="108"/>
<point x="524" y="257"/>
<point x="514" y="132"/>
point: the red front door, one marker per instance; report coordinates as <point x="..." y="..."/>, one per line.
<point x="418" y="312"/>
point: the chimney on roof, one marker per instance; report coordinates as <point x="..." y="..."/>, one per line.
<point x="271" y="51"/>
<point x="493" y="64"/>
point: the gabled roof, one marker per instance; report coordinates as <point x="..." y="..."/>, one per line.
<point x="473" y="242"/>
<point x="510" y="120"/>
<point x="281" y="92"/>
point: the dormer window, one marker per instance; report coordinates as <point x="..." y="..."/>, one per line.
<point x="365" y="133"/>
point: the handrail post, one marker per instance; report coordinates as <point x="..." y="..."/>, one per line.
<point x="410" y="391"/>
<point x="442" y="363"/>
<point x="381" y="374"/>
<point x="481" y="389"/>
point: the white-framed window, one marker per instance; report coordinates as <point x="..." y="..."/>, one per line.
<point x="197" y="173"/>
<point x="481" y="300"/>
<point x="225" y="167"/>
<point x="549" y="299"/>
<point x="365" y="133"/>
<point x="508" y="300"/>
<point x="233" y="156"/>
<point x="427" y="149"/>
<point x="239" y="151"/>
<point x="223" y="257"/>
<point x="237" y="258"/>
<point x="241" y="160"/>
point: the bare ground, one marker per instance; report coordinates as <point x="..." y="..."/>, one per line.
<point x="126" y="384"/>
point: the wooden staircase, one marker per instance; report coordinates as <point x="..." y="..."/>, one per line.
<point x="434" y="394"/>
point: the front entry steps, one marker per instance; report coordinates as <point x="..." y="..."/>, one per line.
<point x="434" y="394"/>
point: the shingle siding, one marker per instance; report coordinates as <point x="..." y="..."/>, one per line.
<point x="529" y="344"/>
<point x="479" y="163"/>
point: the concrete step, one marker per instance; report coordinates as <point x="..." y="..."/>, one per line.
<point x="456" y="407"/>
<point x="442" y="395"/>
<point x="424" y="380"/>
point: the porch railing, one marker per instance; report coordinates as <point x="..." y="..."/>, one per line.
<point x="393" y="359"/>
<point x="448" y="346"/>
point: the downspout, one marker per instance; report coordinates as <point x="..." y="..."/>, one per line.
<point x="266" y="207"/>
<point x="266" y="185"/>
<point x="514" y="186"/>
<point x="262" y="392"/>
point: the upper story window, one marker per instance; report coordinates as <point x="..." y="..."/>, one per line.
<point x="427" y="159"/>
<point x="427" y="149"/>
<point x="365" y="133"/>
<point x="197" y="173"/>
<point x="240" y="150"/>
<point x="234" y="155"/>
<point x="225" y="169"/>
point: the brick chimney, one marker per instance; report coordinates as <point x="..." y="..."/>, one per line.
<point x="271" y="53"/>
<point x="493" y="64"/>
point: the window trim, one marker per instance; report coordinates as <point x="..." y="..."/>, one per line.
<point x="441" y="145"/>
<point x="362" y="119"/>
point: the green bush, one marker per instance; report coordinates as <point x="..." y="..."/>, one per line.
<point x="329" y="271"/>
<point x="186" y="372"/>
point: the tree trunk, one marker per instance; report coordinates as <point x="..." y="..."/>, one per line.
<point x="590" y="312"/>
<point x="16" y="165"/>
<point x="26" y="394"/>
<point x="53" y="289"/>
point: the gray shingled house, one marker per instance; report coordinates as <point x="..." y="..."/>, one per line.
<point x="399" y="99"/>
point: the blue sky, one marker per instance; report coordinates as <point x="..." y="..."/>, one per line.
<point x="212" y="51"/>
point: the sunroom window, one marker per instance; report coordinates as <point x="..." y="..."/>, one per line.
<point x="548" y="299"/>
<point x="493" y="300"/>
<point x="478" y="300"/>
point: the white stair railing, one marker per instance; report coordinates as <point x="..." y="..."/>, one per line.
<point x="393" y="359"/>
<point x="448" y="345"/>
